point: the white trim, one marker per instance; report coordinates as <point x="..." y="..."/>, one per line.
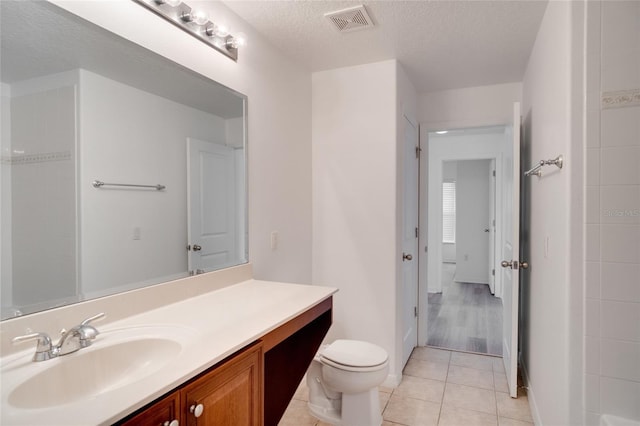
<point x="533" y="406"/>
<point x="392" y="381"/>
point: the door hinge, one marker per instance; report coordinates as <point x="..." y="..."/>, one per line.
<point x="417" y="232"/>
<point x="418" y="150"/>
<point x="415" y="311"/>
<point x="494" y="173"/>
<point x="493" y="272"/>
<point x="425" y="249"/>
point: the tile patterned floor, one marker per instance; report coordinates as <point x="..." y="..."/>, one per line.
<point x="439" y="387"/>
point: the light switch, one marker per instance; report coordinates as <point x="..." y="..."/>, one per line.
<point x="274" y="240"/>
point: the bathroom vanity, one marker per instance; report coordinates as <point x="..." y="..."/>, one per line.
<point x="234" y="391"/>
<point x="235" y="354"/>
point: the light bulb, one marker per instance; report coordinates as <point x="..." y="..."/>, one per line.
<point x="238" y="40"/>
<point x="199" y="17"/>
<point x="221" y="30"/>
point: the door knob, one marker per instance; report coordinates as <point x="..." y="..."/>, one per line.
<point x="197" y="247"/>
<point x="514" y="264"/>
<point x="486" y="229"/>
<point x="406" y="257"/>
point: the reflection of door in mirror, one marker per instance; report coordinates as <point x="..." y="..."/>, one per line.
<point x="213" y="205"/>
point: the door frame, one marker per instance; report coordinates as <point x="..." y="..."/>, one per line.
<point x="431" y="212"/>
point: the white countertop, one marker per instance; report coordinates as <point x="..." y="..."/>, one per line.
<point x="209" y="327"/>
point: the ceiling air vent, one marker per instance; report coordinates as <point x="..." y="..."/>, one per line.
<point x="351" y="19"/>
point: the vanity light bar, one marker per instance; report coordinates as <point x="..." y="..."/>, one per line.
<point x="198" y="25"/>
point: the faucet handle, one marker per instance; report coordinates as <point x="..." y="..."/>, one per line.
<point x="97" y="317"/>
<point x="44" y="350"/>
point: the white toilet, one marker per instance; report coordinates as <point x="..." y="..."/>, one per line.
<point x="343" y="382"/>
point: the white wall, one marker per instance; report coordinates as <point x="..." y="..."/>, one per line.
<point x="354" y="199"/>
<point x="612" y="292"/>
<point x="141" y="149"/>
<point x="545" y="287"/>
<point x="279" y="100"/>
<point x="472" y="218"/>
<point x="468" y="107"/>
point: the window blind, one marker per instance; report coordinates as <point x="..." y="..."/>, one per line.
<point x="448" y="212"/>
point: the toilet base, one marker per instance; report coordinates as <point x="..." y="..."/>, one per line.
<point x="328" y="415"/>
<point x="362" y="409"/>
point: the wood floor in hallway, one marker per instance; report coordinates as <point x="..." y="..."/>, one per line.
<point x="464" y="317"/>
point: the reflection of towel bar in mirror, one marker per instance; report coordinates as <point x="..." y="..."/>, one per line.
<point x="99" y="184"/>
<point x="536" y="170"/>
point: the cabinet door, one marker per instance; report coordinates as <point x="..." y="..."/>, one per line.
<point x="231" y="395"/>
<point x="161" y="413"/>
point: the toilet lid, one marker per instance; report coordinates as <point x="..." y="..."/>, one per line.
<point x="355" y="353"/>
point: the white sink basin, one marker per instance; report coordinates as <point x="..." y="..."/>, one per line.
<point x="103" y="367"/>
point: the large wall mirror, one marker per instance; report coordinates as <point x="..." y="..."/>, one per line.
<point x="81" y="104"/>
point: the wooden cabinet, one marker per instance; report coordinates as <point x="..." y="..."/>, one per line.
<point x="250" y="388"/>
<point x="229" y="394"/>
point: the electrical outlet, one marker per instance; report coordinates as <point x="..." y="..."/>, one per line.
<point x="466" y="257"/>
<point x="274" y="240"/>
<point x="137" y="233"/>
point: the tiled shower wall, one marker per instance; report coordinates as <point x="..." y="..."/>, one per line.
<point x="612" y="305"/>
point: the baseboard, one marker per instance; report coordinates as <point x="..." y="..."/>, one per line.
<point x="470" y="280"/>
<point x="392" y="381"/>
<point x="530" y="393"/>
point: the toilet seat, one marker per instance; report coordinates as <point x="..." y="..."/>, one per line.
<point x="354" y="355"/>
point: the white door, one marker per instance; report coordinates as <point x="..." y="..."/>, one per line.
<point x="410" y="241"/>
<point x="211" y="206"/>
<point x="511" y="261"/>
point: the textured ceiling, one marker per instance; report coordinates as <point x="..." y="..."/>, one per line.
<point x="441" y="44"/>
<point x="39" y="39"/>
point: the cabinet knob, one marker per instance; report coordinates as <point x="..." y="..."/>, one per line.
<point x="196" y="410"/>
<point x="171" y="423"/>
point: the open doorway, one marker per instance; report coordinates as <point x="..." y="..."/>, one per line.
<point x="466" y="314"/>
<point x="465" y="191"/>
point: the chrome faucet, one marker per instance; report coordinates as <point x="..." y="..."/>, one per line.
<point x="74" y="339"/>
<point x="78" y="337"/>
